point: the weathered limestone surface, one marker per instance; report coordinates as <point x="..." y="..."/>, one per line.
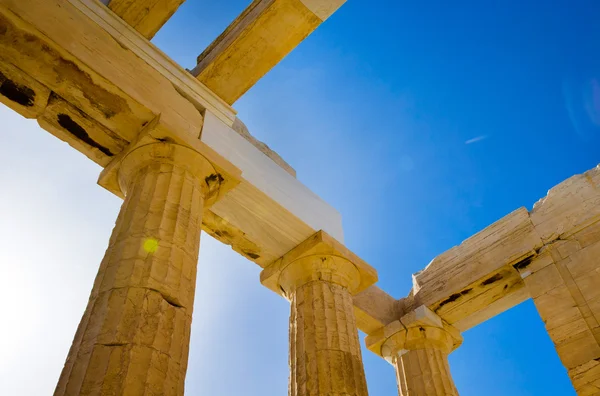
<point x="569" y="207"/>
<point x="270" y="206"/>
<point x="463" y="281"/>
<point x="20" y="92"/>
<point x="134" y="336"/>
<point x="564" y="279"/>
<point x="374" y="309"/>
<point x="90" y="79"/>
<point x="325" y="356"/>
<point x="423" y="372"/>
<point x="417" y="346"/>
<point x="319" y="278"/>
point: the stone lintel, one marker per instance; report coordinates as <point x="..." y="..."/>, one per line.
<point x="374" y="309"/>
<point x="323" y="254"/>
<point x="461" y="283"/>
<point x="503" y="243"/>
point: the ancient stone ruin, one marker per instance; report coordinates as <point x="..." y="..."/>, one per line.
<point x="171" y="146"/>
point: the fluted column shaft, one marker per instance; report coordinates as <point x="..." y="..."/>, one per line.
<point x="319" y="277"/>
<point x="134" y="336"/>
<point x="424" y="372"/>
<point x="325" y="356"/>
<point x="418" y="346"/>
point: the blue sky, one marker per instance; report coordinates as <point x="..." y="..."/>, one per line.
<point x="421" y="122"/>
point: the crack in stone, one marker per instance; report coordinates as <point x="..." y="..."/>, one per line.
<point x="114" y="344"/>
<point x="171" y="301"/>
<point x="492" y="279"/>
<point x="132" y="344"/>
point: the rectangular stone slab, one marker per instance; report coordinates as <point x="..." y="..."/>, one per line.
<point x="295" y="213"/>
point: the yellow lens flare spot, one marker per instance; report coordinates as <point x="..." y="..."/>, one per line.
<point x="151" y="245"/>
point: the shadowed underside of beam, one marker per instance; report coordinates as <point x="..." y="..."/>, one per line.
<point x="256" y="41"/>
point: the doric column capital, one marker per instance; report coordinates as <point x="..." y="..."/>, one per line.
<point x="154" y="146"/>
<point x="184" y="158"/>
<point x="319" y="258"/>
<point x="161" y="153"/>
<point x="419" y="329"/>
<point x="319" y="267"/>
<point x="417" y="345"/>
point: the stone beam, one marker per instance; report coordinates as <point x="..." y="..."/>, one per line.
<point x="144" y="17"/>
<point x="480" y="278"/>
<point x="87" y="56"/>
<point x="256" y="41"/>
<point x="477" y="279"/>
<point x="374" y="309"/>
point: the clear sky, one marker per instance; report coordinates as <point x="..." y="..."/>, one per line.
<point x="422" y="122"/>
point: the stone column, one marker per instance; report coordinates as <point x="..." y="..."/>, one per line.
<point x="134" y="335"/>
<point x="418" y="346"/>
<point x="564" y="282"/>
<point x="563" y="279"/>
<point x="325" y="356"/>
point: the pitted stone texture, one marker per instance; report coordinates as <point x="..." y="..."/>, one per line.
<point x="564" y="282"/>
<point x="564" y="277"/>
<point x="325" y="356"/>
<point x="134" y="336"/>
